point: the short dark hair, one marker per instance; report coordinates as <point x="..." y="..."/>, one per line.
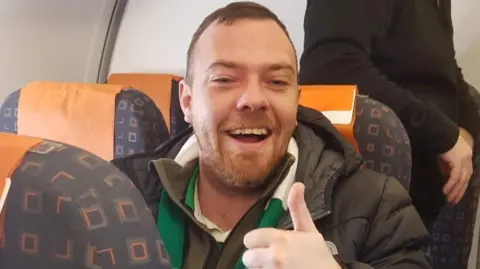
<point x="228" y="15"/>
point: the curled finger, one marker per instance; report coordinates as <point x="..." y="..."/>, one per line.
<point x="453" y="179"/>
<point x="466" y="176"/>
<point x="460" y="195"/>
<point x="459" y="186"/>
<point x="256" y="257"/>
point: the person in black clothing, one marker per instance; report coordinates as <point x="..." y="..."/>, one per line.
<point x="401" y="53"/>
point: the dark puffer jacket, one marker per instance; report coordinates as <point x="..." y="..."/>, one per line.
<point x="367" y="216"/>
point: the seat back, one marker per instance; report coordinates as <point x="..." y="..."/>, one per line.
<point x="68" y="209"/>
<point x="162" y="88"/>
<point x="453" y="231"/>
<point x="108" y="120"/>
<point x="339" y="107"/>
<point x="383" y="140"/>
<point x="371" y="126"/>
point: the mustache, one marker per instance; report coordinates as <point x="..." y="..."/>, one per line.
<point x="250" y="121"/>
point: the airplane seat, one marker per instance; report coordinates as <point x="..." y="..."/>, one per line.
<point x="163" y="89"/>
<point x="383" y="140"/>
<point x="374" y="128"/>
<point x="453" y="230"/>
<point x="68" y="209"/>
<point x="108" y="120"/>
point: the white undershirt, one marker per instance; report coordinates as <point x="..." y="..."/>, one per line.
<point x="214" y="230"/>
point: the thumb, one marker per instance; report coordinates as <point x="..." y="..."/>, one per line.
<point x="301" y="218"/>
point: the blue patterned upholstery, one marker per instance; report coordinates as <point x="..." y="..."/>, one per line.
<point x="163" y="88"/>
<point x="9" y="113"/>
<point x="177" y="121"/>
<point x="382" y="140"/>
<point x="453" y="230"/>
<point x="68" y="209"/>
<point x="138" y="125"/>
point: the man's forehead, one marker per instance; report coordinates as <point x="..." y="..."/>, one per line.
<point x="285" y="65"/>
<point x="257" y="42"/>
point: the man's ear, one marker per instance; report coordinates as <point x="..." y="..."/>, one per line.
<point x="185" y="97"/>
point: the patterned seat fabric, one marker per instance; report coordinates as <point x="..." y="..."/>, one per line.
<point x="453" y="230"/>
<point x="69" y="209"/>
<point x="108" y="120"/>
<point x="382" y="140"/>
<point x="163" y="89"/>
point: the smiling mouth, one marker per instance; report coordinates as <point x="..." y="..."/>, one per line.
<point x="250" y="135"/>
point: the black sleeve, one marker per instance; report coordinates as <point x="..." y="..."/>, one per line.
<point x="397" y="238"/>
<point x="469" y="115"/>
<point x="338" y="40"/>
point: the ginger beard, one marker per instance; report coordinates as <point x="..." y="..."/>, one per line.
<point x="240" y="156"/>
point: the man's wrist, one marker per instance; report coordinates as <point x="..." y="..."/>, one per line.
<point x="467" y="136"/>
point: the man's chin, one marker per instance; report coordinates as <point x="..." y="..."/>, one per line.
<point x="248" y="173"/>
<point x="246" y="158"/>
<point x="250" y="184"/>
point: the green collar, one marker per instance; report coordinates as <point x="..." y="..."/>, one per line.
<point x="171" y="220"/>
<point x="190" y="192"/>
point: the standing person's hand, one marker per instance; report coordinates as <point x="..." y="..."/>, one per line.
<point x="458" y="166"/>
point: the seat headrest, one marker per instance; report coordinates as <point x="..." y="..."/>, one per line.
<point x="158" y="86"/>
<point x="79" y="114"/>
<point x="337" y="103"/>
<point x="110" y="121"/>
<point x="12" y="148"/>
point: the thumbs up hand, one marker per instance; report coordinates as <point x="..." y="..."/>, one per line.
<point x="302" y="248"/>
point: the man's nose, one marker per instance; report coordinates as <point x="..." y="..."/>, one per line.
<point x="253" y="98"/>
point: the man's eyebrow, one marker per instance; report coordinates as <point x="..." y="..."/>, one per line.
<point x="233" y="65"/>
<point x="222" y="63"/>
<point x="281" y="66"/>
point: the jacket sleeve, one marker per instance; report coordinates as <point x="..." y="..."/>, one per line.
<point x="339" y="36"/>
<point x="397" y="238"/>
<point x="469" y="116"/>
<point x="469" y="110"/>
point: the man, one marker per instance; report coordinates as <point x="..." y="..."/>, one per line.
<point x="401" y="53"/>
<point x="256" y="183"/>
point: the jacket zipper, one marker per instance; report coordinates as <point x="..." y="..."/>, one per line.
<point x="213" y="263"/>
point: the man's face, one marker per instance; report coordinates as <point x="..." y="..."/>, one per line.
<point x="242" y="101"/>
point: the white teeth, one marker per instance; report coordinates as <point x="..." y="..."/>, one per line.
<point x="255" y="131"/>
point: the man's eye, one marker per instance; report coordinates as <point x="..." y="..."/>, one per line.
<point x="222" y="80"/>
<point x="278" y="83"/>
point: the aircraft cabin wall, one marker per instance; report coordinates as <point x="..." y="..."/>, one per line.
<point x="70" y="40"/>
<point x="154" y="35"/>
<point x="58" y="40"/>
